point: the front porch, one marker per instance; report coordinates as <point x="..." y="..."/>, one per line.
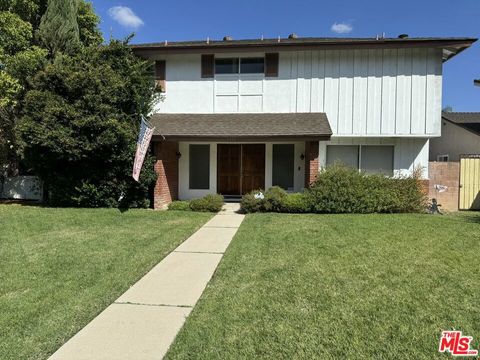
<point x="233" y="154"/>
<point x="189" y="170"/>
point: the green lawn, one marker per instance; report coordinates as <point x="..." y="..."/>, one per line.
<point x="59" y="268"/>
<point x="339" y="287"/>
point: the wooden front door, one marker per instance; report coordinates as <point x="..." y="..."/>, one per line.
<point x="229" y="169"/>
<point x="240" y="168"/>
<point x="253" y="167"/>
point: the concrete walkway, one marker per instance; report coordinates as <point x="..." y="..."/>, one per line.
<point x="143" y="322"/>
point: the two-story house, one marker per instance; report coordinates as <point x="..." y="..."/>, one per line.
<point x="240" y="115"/>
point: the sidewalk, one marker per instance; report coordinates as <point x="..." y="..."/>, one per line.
<point x="143" y="322"/>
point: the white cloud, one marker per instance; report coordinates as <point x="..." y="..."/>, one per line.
<point x="125" y="17"/>
<point x="341" y="28"/>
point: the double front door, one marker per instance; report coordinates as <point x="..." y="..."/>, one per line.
<point x="240" y="168"/>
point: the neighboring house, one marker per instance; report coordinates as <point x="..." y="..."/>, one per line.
<point x="460" y="136"/>
<point x="248" y="114"/>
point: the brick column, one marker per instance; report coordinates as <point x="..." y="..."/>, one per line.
<point x="311" y="162"/>
<point x="166" y="167"/>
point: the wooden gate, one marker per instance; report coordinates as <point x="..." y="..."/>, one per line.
<point x="469" y="182"/>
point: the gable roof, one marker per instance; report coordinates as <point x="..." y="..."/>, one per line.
<point x="241" y="126"/>
<point x="451" y="45"/>
<point x="467" y="120"/>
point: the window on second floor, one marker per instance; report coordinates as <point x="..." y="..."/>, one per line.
<point x="240" y="65"/>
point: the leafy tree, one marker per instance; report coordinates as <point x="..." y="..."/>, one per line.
<point x="88" y="25"/>
<point x="59" y="31"/>
<point x="15" y="34"/>
<point x="21" y="58"/>
<point x="80" y="123"/>
<point x="28" y="10"/>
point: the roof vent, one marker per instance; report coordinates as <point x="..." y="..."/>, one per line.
<point x="293" y="36"/>
<point x="403" y="36"/>
<point x="227" y="38"/>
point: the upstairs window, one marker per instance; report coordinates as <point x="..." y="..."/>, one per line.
<point x="240" y="65"/>
<point x="226" y="66"/>
<point x="252" y="65"/>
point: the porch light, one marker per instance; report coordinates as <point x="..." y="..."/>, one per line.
<point x="302" y="157"/>
<point x="178" y="154"/>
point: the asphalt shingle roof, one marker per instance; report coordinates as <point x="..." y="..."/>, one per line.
<point x="242" y="127"/>
<point x="467" y="120"/>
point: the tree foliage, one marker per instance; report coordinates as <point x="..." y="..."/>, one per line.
<point x="59" y="30"/>
<point x="80" y="123"/>
<point x="70" y="107"/>
<point x="89" y="32"/>
<point x="21" y="57"/>
<point x="15" y="34"/>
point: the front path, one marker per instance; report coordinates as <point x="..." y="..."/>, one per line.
<point x="143" y="322"/>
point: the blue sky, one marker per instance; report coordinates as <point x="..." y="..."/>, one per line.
<point x="154" y="21"/>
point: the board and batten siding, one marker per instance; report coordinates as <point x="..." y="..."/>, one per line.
<point x="375" y="92"/>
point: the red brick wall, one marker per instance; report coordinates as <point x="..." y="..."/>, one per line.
<point x="166" y="167"/>
<point x="311" y="162"/>
<point x="448" y="174"/>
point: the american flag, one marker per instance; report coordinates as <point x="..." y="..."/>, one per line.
<point x="146" y="132"/>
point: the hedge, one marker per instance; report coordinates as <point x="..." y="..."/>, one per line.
<point x="209" y="203"/>
<point x="339" y="189"/>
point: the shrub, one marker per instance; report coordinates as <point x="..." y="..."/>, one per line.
<point x="179" y="205"/>
<point x="295" y="203"/>
<point x="211" y="203"/>
<point x="339" y="189"/>
<point x="251" y="204"/>
<point x="274" y="198"/>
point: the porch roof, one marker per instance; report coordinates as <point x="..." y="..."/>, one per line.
<point x="241" y="127"/>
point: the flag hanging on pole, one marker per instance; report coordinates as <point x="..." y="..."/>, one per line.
<point x="144" y="137"/>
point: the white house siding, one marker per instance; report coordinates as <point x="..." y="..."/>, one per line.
<point x="381" y="92"/>
<point x="185" y="193"/>
<point x="409" y="153"/>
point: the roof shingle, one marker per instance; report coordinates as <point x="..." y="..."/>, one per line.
<point x="241" y="127"/>
<point x="467" y="120"/>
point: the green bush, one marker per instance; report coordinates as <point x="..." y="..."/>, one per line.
<point x="340" y="189"/>
<point x="274" y="198"/>
<point x="250" y="204"/>
<point x="295" y="203"/>
<point x="179" y="205"/>
<point x="211" y="203"/>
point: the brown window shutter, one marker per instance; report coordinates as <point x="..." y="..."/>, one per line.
<point x="271" y="64"/>
<point x="161" y="74"/>
<point x="208" y="66"/>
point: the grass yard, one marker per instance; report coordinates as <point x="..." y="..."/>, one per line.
<point x="339" y="287"/>
<point x="59" y="268"/>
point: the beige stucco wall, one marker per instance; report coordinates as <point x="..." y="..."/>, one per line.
<point x="455" y="141"/>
